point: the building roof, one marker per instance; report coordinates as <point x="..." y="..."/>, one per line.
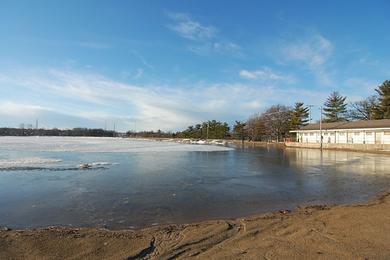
<point x="383" y="123"/>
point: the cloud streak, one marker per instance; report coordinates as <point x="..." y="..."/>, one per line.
<point x="313" y="52"/>
<point x="12" y="108"/>
<point x="188" y="28"/>
<point x="206" y="38"/>
<point x="96" y="98"/>
<point x="142" y="59"/>
<point x="266" y="74"/>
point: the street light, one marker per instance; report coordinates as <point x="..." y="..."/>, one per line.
<point x="310" y="106"/>
<point x="321" y="128"/>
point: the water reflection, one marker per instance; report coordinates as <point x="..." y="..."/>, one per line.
<point x="360" y="163"/>
<point x="179" y="187"/>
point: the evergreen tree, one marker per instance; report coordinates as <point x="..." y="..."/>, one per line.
<point x="239" y="130"/>
<point x="210" y="129"/>
<point x="383" y="109"/>
<point x="335" y="108"/>
<point x="299" y="116"/>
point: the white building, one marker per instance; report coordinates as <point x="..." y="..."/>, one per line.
<point x="356" y="132"/>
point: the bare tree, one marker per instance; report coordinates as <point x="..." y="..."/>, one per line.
<point x="273" y="124"/>
<point x="364" y="109"/>
<point x="255" y="128"/>
<point x="277" y="122"/>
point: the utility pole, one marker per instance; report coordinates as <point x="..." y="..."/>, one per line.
<point x="208" y="125"/>
<point x="36" y="123"/>
<point x="310" y="106"/>
<point x="321" y="129"/>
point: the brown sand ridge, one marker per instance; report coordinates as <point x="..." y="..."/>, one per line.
<point x="339" y="232"/>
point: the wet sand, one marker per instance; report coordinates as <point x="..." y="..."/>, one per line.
<point x="337" y="232"/>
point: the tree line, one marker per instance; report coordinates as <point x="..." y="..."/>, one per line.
<point x="374" y="107"/>
<point x="207" y="130"/>
<point x="276" y="122"/>
<point x="5" y="131"/>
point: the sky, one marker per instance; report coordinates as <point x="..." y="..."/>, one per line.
<point x="148" y="65"/>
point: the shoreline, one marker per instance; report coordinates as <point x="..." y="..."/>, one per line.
<point x="337" y="231"/>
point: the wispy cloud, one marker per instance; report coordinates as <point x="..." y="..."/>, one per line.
<point x="313" y="52"/>
<point x="266" y="74"/>
<point x="94" y="97"/>
<point x="14" y="108"/>
<point x="364" y="87"/>
<point x="188" y="28"/>
<point x="206" y="39"/>
<point x="142" y="59"/>
<point x="221" y="48"/>
<point x="139" y="73"/>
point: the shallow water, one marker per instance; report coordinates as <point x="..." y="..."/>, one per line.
<point x="134" y="184"/>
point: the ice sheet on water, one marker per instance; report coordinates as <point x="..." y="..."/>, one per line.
<point x="101" y="163"/>
<point x="39" y="163"/>
<point x="27" y="161"/>
<point x="20" y="145"/>
<point x="99" y="144"/>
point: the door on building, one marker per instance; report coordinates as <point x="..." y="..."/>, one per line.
<point x="349" y="138"/>
<point x="378" y="137"/>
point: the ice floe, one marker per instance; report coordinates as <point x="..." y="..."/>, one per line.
<point x="101" y="144"/>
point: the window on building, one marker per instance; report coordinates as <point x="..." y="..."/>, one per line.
<point x="357" y="133"/>
<point x="368" y="133"/>
<point x="386" y="132"/>
<point x="311" y="134"/>
<point x="341" y="133"/>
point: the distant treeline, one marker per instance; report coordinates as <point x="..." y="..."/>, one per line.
<point x="207" y="130"/>
<point x="151" y="134"/>
<point x="5" y="131"/>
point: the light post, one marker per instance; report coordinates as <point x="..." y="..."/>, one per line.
<point x="321" y="128"/>
<point x="208" y="125"/>
<point x="310" y="106"/>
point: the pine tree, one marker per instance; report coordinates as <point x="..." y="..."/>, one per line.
<point x="239" y="130"/>
<point x="335" y="108"/>
<point x="383" y="109"/>
<point x="299" y="116"/>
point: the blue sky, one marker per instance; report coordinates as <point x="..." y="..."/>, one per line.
<point x="169" y="64"/>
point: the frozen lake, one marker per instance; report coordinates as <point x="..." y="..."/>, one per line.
<point x="137" y="183"/>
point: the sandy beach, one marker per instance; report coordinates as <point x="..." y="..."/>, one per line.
<point x="327" y="232"/>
